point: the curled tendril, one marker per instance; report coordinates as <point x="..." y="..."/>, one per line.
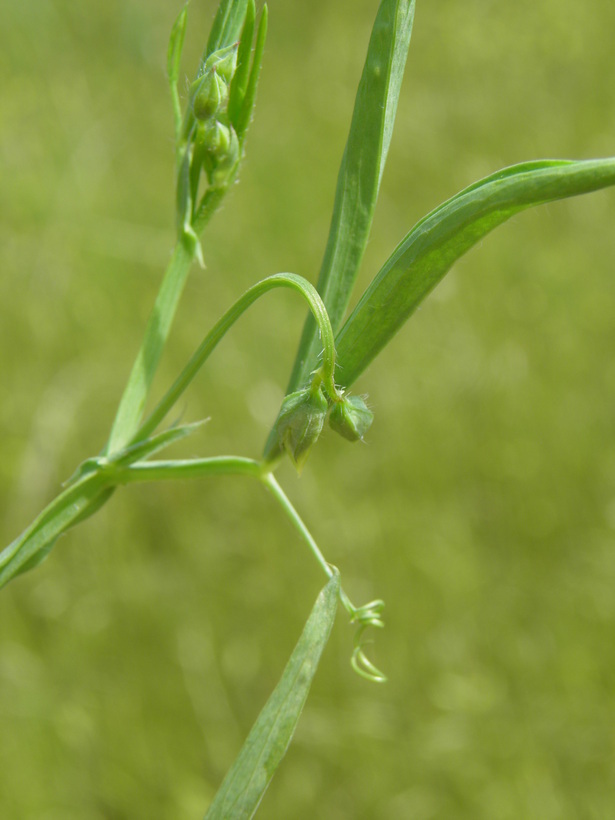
<point x="364" y="616"/>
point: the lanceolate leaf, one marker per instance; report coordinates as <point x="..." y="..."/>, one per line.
<point x="437" y="241"/>
<point x="176" y="44"/>
<point x="227" y="25"/>
<point x="244" y="52"/>
<point x="77" y="502"/>
<point x="360" y="172"/>
<point x="174" y="53"/>
<point x="91" y="486"/>
<point x="246" y="782"/>
<point x="147" y="447"/>
<point x="249" y="98"/>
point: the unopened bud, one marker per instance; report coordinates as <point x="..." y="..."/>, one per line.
<point x="351" y="418"/>
<point x="216" y="139"/>
<point x="300" y="423"/>
<point x="226" y="160"/>
<point x="223" y="62"/>
<point x="210" y="95"/>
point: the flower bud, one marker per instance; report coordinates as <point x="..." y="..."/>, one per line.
<point x="351" y="418"/>
<point x="210" y="95"/>
<point x="300" y="423"/>
<point x="215" y="137"/>
<point x="226" y="160"/>
<point x="223" y="62"/>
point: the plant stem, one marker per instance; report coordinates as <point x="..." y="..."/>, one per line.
<point x="223" y="465"/>
<point x="272" y="485"/>
<point x="278" y="280"/>
<point x="189" y="468"/>
<point x="139" y="382"/>
<point x="208" y="206"/>
<point x="132" y="403"/>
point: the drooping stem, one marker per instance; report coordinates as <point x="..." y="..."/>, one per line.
<point x="278" y="280"/>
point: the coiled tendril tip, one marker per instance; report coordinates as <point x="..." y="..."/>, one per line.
<point x="364" y="616"/>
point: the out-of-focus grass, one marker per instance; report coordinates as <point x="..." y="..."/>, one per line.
<point x="482" y="507"/>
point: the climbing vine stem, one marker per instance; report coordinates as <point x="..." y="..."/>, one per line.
<point x="200" y="356"/>
<point x="364" y="617"/>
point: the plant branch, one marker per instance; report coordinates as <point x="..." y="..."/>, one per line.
<point x="189" y="468"/>
<point x="279" y="280"/>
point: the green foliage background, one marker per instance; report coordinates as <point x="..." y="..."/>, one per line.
<point x="482" y="507"/>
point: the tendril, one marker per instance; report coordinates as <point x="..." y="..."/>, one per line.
<point x="364" y="616"/>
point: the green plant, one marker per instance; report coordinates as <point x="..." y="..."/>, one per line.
<point x="209" y="143"/>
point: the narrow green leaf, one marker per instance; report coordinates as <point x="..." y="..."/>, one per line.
<point x="174" y="54"/>
<point x="91" y="486"/>
<point x="184" y="201"/>
<point x="242" y="72"/>
<point x="33" y="562"/>
<point x="439" y="239"/>
<point x="76" y="503"/>
<point x="227" y="25"/>
<point x="247" y="780"/>
<point x="360" y="172"/>
<point x="176" y="45"/>
<point x="247" y="105"/>
<point x="147" y="447"/>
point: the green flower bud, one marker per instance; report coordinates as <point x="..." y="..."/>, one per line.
<point x="223" y="62"/>
<point x="210" y="95"/>
<point x="351" y="418"/>
<point x="215" y="137"/>
<point x="300" y="423"/>
<point x="226" y="160"/>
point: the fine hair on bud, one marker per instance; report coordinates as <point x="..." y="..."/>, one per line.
<point x="351" y="418"/>
<point x="300" y="422"/>
<point x="210" y="96"/>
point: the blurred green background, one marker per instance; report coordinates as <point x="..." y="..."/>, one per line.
<point x="481" y="508"/>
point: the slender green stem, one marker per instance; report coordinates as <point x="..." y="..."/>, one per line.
<point x="364" y="616"/>
<point x="189" y="468"/>
<point x="135" y="394"/>
<point x="224" y="465"/>
<point x="177" y="112"/>
<point x="207" y="207"/>
<point x="272" y="485"/>
<point x="278" y="280"/>
<point x="158" y="327"/>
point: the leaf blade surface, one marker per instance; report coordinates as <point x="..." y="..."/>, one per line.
<point x="360" y="173"/>
<point x="435" y="243"/>
<point x="246" y="782"/>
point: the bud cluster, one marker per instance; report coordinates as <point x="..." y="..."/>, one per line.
<point x="215" y="141"/>
<point x="302" y="417"/>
